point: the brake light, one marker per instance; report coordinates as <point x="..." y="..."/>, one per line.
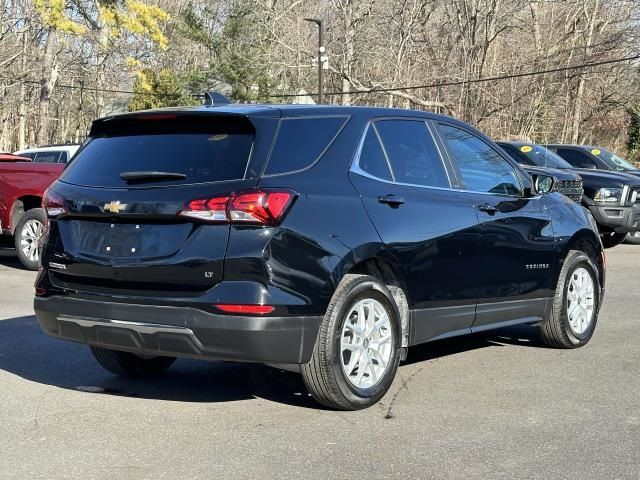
<point x="240" y="308"/>
<point x="211" y="210"/>
<point x="156" y="117"/>
<point x="248" y="207"/>
<point x="54" y="204"/>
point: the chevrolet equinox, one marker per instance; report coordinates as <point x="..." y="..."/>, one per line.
<point x="325" y="240"/>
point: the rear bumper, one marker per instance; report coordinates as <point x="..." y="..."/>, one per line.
<point x="178" y="331"/>
<point x="618" y="219"/>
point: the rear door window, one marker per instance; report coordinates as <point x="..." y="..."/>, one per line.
<point x="576" y="158"/>
<point x="205" y="151"/>
<point x="301" y="142"/>
<point x="411" y="153"/>
<point x="47" y="157"/>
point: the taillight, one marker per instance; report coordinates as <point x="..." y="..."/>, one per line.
<point x="210" y="210"/>
<point x="257" y="207"/>
<point x="54" y="204"/>
<point x="242" y="308"/>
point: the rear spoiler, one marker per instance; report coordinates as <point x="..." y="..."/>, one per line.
<point x="171" y="121"/>
<point x="215" y="98"/>
<point x="8" y="157"/>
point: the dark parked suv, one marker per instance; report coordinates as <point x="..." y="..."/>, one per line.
<point x="593" y="158"/>
<point x="326" y="240"/>
<point x="613" y="198"/>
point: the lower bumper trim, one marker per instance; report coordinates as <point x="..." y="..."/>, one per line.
<point x="176" y="331"/>
<point x="618" y="219"/>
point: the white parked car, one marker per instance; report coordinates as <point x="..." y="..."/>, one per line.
<point x="50" y="153"/>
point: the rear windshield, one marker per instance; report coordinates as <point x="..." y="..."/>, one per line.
<point x="213" y="152"/>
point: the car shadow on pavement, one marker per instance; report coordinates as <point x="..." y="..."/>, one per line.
<point x="518" y="335"/>
<point x="27" y="352"/>
<point x="9" y="258"/>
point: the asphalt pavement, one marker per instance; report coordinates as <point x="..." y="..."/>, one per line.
<point x="493" y="405"/>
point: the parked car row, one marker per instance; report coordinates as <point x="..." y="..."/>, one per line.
<point x="612" y="196"/>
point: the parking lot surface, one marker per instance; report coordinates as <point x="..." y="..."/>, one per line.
<point x="494" y="405"/>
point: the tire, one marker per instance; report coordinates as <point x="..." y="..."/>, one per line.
<point x="325" y="376"/>
<point x="633" y="238"/>
<point x="27" y="237"/>
<point x="610" y="240"/>
<point x="127" y="364"/>
<point x="556" y="330"/>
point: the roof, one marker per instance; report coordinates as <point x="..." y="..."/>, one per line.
<point x="515" y="143"/>
<point x="573" y="145"/>
<point x="69" y="147"/>
<point x="290" y="110"/>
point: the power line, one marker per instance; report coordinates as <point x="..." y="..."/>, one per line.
<point x="437" y="84"/>
<point x="466" y="82"/>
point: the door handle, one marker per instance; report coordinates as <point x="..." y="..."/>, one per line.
<point x="490" y="209"/>
<point x="391" y="200"/>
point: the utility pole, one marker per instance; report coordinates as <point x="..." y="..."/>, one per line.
<point x="321" y="56"/>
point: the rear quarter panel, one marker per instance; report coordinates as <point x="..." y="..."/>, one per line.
<point x="23" y="179"/>
<point x="326" y="232"/>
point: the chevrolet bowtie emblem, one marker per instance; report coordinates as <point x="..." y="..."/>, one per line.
<point x="114" y="207"/>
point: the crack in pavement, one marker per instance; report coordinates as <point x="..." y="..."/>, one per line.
<point x="404" y="386"/>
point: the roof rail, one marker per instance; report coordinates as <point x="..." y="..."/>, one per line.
<point x="215" y="98"/>
<point x="68" y="144"/>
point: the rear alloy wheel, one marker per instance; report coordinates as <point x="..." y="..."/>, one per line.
<point x="366" y="343"/>
<point x="127" y="364"/>
<point x="633" y="238"/>
<point x="574" y="314"/>
<point x="27" y="236"/>
<point x="357" y="352"/>
<point x="610" y="240"/>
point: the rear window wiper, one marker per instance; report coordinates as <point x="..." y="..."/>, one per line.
<point x="151" y="176"/>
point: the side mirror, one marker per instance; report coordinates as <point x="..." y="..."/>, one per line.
<point x="591" y="166"/>
<point x="543" y="183"/>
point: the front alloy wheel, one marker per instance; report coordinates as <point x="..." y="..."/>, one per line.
<point x="573" y="317"/>
<point x="580" y="301"/>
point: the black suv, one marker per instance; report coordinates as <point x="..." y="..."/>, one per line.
<point x="326" y="240"/>
<point x="593" y="158"/>
<point x="612" y="197"/>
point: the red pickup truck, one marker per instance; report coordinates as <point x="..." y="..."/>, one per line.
<point x="22" y="184"/>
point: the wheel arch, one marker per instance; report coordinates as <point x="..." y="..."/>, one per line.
<point x="21" y="205"/>
<point x="589" y="242"/>
<point x="381" y="266"/>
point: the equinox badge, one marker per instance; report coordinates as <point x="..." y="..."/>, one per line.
<point x="114" y="207"/>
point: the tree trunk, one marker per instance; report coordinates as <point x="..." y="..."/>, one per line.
<point x="348" y="52"/>
<point x="22" y="106"/>
<point x="577" y="105"/>
<point x="103" y="45"/>
<point x="47" y="84"/>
